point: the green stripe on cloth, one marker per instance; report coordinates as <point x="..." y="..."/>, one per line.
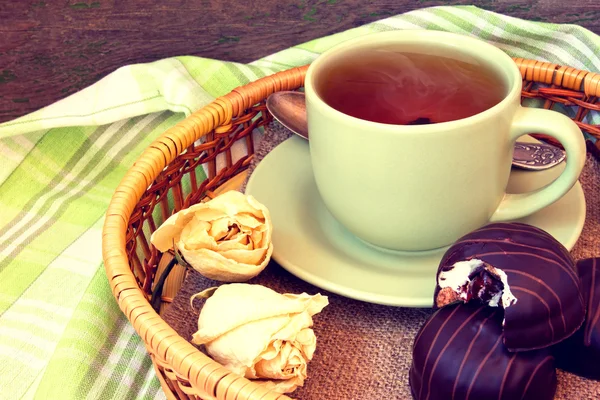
<point x="48" y="221"/>
<point x="14" y="149"/>
<point x="45" y="260"/>
<point x="119" y="353"/>
<point x="62" y="334"/>
<point x="49" y="301"/>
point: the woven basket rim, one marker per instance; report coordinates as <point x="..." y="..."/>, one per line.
<point x="185" y="359"/>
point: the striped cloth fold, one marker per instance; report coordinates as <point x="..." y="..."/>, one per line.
<point x="62" y="334"/>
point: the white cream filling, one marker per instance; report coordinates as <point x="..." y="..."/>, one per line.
<point x="458" y="276"/>
<point x="507" y="297"/>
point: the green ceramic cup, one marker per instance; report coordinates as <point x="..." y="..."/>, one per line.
<point x="421" y="187"/>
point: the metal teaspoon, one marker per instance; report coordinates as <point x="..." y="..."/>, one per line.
<point x="289" y="108"/>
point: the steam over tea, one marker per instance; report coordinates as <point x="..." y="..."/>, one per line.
<point x="401" y="88"/>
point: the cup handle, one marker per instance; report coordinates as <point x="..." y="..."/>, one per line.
<point x="560" y="127"/>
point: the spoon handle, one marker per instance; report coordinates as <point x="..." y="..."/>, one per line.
<point x="536" y="156"/>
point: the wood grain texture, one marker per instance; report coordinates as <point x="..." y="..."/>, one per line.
<point x="50" y="49"/>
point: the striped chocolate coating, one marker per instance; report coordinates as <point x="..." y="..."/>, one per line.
<point x="541" y="275"/>
<point x="458" y="355"/>
<point x="580" y="353"/>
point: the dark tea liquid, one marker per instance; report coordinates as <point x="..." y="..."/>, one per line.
<point x="402" y="88"/>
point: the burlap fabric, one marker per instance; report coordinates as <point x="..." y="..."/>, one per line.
<point x="364" y="350"/>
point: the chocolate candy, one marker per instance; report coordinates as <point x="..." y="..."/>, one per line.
<point x="580" y="353"/>
<point x="458" y="354"/>
<point x="522" y="269"/>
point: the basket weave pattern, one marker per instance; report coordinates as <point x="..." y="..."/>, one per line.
<point x="165" y="179"/>
<point x="562" y="85"/>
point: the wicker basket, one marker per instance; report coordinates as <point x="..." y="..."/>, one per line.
<point x="164" y="180"/>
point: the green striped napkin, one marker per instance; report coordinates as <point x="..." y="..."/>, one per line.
<point x="62" y="334"/>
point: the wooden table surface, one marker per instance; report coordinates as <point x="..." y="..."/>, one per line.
<point x="50" y="49"/>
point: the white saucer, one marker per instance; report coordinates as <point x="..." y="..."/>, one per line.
<point x="311" y="244"/>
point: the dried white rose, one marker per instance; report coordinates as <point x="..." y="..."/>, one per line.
<point x="260" y="334"/>
<point x="227" y="238"/>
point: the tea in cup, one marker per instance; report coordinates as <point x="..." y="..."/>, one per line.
<point x="412" y="135"/>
